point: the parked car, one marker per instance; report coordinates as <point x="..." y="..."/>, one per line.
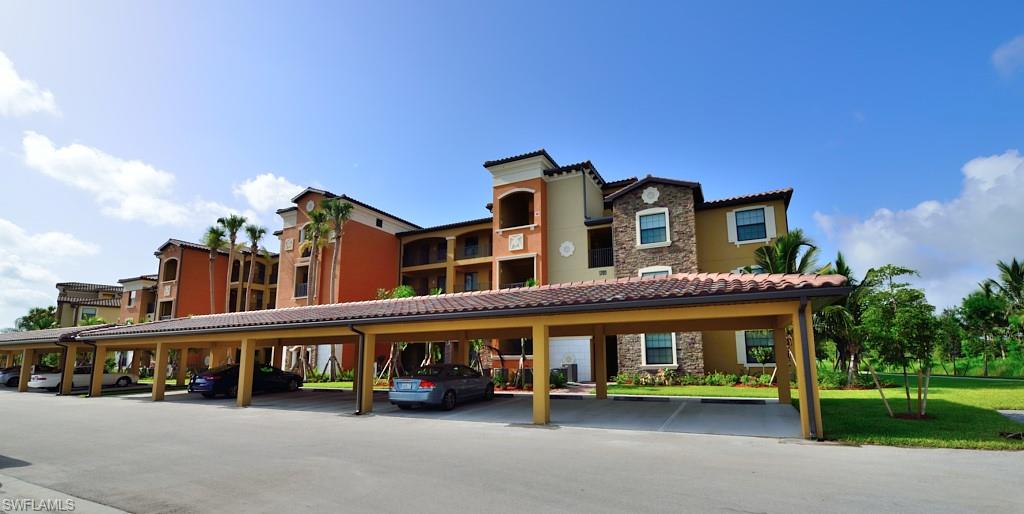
<point x="81" y="378"/>
<point x="10" y="376"/>
<point x="224" y="380"/>
<point x="440" y="385"/>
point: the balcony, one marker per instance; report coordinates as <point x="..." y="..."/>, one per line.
<point x="513" y="285"/>
<point x="479" y="286"/>
<point x="601" y="257"/>
<point x="472" y="252"/>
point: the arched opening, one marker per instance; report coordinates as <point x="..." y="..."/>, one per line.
<point x="261" y="273"/>
<point x="236" y="270"/>
<point x="430" y="250"/>
<point x="515" y="209"/>
<point x="170" y="271"/>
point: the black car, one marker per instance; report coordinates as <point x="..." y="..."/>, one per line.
<point x="224" y="380"/>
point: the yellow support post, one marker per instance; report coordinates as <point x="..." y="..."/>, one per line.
<point x="541" y="375"/>
<point x="181" y="376"/>
<point x="98" y="359"/>
<point x="246" y="370"/>
<point x="812" y="352"/>
<point x="806" y="374"/>
<point x="27" y="356"/>
<point x="67" y="375"/>
<point x="366" y="375"/>
<point x="163" y="358"/>
<point x="133" y="368"/>
<point x="782" y="365"/>
<point x="278" y="357"/>
<point x="462" y="351"/>
<point x="449" y="268"/>
<point x="599" y="357"/>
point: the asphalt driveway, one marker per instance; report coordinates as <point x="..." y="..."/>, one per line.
<point x="191" y="456"/>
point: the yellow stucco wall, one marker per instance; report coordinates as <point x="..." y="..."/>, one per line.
<point x="565" y="206"/>
<point x="714" y="251"/>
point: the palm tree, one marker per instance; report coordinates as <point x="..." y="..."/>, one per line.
<point x="214" y="240"/>
<point x="338" y="213"/>
<point x="1011" y="287"/>
<point x="232" y="225"/>
<point x="38" y="318"/>
<point x="839" y="322"/>
<point x="316" y="232"/>
<point x="255" y="234"/>
<point x="783" y="255"/>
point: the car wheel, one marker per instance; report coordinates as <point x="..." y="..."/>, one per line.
<point x="448" y="402"/>
<point x="293" y="385"/>
<point x="12" y="382"/>
<point x="233" y="391"/>
<point x="123" y="382"/>
<point x="489" y="392"/>
<point x="404" y="406"/>
<point x="208" y="395"/>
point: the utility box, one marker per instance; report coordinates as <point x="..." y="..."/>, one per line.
<point x="572" y="373"/>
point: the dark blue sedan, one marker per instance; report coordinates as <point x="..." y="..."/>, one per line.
<point x="224" y="380"/>
<point x="440" y="385"/>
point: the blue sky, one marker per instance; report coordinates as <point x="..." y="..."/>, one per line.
<point x="867" y="110"/>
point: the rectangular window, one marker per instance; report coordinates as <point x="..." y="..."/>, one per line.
<point x="654" y="274"/>
<point x="658" y="349"/>
<point x="759" y="338"/>
<point x="471" y="248"/>
<point x="750" y="225"/>
<point x="470" y="282"/>
<point x="653" y="228"/>
<point x="88" y="313"/>
<point x="301" y="281"/>
<point x="132" y="298"/>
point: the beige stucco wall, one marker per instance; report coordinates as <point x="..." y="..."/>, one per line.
<point x="714" y="251"/>
<point x="565" y="207"/>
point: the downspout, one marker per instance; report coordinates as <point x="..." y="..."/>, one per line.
<point x="807" y="388"/>
<point x="92" y="376"/>
<point x="360" y="357"/>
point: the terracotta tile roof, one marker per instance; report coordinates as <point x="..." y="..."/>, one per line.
<point x="196" y="246"/>
<point x="680" y="289"/>
<point x="698" y="195"/>
<point x="619" y="183"/>
<point x="777" y="194"/>
<point x="585" y="167"/>
<point x="83" y="286"/>
<point x="91" y="302"/>
<point x="49" y="335"/>
<point x="489" y="219"/>
<point x="347" y="198"/>
<point x="140" y="277"/>
<point x="527" y="155"/>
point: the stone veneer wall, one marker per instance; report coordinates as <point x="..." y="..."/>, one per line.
<point x="681" y="255"/>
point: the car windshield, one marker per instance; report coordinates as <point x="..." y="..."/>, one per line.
<point x="429" y="371"/>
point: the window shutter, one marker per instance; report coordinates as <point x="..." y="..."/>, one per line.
<point x="741" y="347"/>
<point x="769" y="222"/>
<point x="730" y="222"/>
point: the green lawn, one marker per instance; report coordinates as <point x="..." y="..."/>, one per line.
<point x="328" y="385"/>
<point x="963" y="412"/>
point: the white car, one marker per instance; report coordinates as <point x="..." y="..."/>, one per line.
<point x="81" y="378"/>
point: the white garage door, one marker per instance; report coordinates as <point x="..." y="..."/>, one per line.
<point x="572" y="350"/>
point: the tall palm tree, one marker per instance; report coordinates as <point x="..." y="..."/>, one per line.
<point x="316" y="234"/>
<point x="232" y="225"/>
<point x="255" y="234"/>
<point x="1010" y="286"/>
<point x="839" y="322"/>
<point x="338" y="213"/>
<point x="792" y="252"/>
<point x="214" y="240"/>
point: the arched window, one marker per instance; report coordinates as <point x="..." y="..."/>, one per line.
<point x="170" y="271"/>
<point x="516" y="209"/>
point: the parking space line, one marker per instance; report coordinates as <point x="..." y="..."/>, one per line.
<point x="682" y="405"/>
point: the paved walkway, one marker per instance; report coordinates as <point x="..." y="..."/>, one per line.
<point x="191" y="456"/>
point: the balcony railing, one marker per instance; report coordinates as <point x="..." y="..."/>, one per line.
<point x="301" y="290"/>
<point x="471" y="252"/>
<point x="602" y="257"/>
<point x="512" y="285"/>
<point x="479" y="286"/>
<point x="418" y="259"/>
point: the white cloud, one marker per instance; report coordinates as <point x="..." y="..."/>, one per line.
<point x="955" y="243"/>
<point x="26" y="262"/>
<point x="20" y="96"/>
<point x="267" y="192"/>
<point x="129" y="190"/>
<point x="1009" y="56"/>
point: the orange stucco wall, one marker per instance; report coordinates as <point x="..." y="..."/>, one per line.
<point x="194" y="283"/>
<point x="534" y="239"/>
<point x="369" y="261"/>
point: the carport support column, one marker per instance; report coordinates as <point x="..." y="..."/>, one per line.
<point x="461" y="351"/>
<point x="365" y="386"/>
<point x="541" y="375"/>
<point x="807" y="374"/>
<point x="246" y="369"/>
<point x="163" y="358"/>
<point x="278" y="357"/>
<point x="133" y="368"/>
<point x="782" y="364"/>
<point x="182" y="366"/>
<point x="599" y="357"/>
<point x="68" y="372"/>
<point x="27" y="355"/>
<point x="98" y="359"/>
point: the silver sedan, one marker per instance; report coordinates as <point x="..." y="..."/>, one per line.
<point x="440" y="385"/>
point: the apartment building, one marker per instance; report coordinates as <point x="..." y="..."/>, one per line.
<point x="138" y="299"/>
<point x="183" y="281"/>
<point x="79" y="302"/>
<point x="553" y="223"/>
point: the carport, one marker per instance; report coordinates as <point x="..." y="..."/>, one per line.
<point x="676" y="303"/>
<point x="31" y="345"/>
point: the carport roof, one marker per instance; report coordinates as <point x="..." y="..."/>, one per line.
<point x="49" y="335"/>
<point x="592" y="296"/>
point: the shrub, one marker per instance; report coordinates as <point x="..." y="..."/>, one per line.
<point x="644" y="378"/>
<point x="765" y="379"/>
<point x="721" y="379"/>
<point x="748" y="380"/>
<point x="558" y="379"/>
<point x="500" y="380"/>
<point x="671" y="377"/>
<point x="689" y="379"/>
<point x="829" y="378"/>
<point x="625" y="378"/>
